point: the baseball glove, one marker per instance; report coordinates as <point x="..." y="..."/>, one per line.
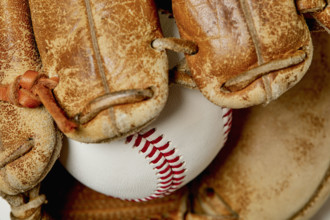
<point x="112" y="90"/>
<point x="275" y="165"/>
<point x="29" y="141"/>
<point x="249" y="52"/>
<point x="111" y="82"/>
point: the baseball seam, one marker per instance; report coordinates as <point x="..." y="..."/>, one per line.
<point x="162" y="156"/>
<point x="227" y="122"/>
<point x="168" y="165"/>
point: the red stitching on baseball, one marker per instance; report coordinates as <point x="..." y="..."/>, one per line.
<point x="179" y="179"/>
<point x="167" y="176"/>
<point x="163" y="164"/>
<point x="164" y="147"/>
<point x="165" y="187"/>
<point x="167" y="165"/>
<point x="177" y="166"/>
<point x="146" y="146"/>
<point x="228" y="123"/>
<point x="165" y="170"/>
<point x="178" y="183"/>
<point x="166" y="182"/>
<point x="138" y="141"/>
<point x="152" y="153"/>
<point x="157" y="140"/>
<point x="170" y="153"/>
<point x="174" y="160"/>
<point x="228" y="119"/>
<point x="169" y="170"/>
<point x="148" y="133"/>
<point x="129" y="139"/>
<point x="179" y="172"/>
<point x="159" y="157"/>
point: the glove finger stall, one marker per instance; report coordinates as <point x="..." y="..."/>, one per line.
<point x="29" y="141"/>
<point x="101" y="48"/>
<point x="250" y="52"/>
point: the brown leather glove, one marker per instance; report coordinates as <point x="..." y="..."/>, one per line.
<point x="275" y="165"/>
<point x="29" y="141"/>
<point x="111" y="81"/>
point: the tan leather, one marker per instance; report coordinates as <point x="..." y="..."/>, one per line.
<point x="26" y="205"/>
<point x="250" y="52"/>
<point x="29" y="141"/>
<point x="276" y="163"/>
<point x="101" y="47"/>
<point x="305" y="6"/>
<point x="319" y="9"/>
<point x="323" y="17"/>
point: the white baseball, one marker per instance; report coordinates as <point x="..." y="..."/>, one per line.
<point x="166" y="155"/>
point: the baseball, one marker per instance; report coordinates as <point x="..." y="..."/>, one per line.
<point x="161" y="158"/>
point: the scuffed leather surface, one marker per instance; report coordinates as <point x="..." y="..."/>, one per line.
<point x="18" y="125"/>
<point x="276" y="163"/>
<point x="17" y="43"/>
<point x="124" y="31"/>
<point x="276" y="156"/>
<point x="233" y="39"/>
<point x="323" y="17"/>
<point x="304" y="6"/>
